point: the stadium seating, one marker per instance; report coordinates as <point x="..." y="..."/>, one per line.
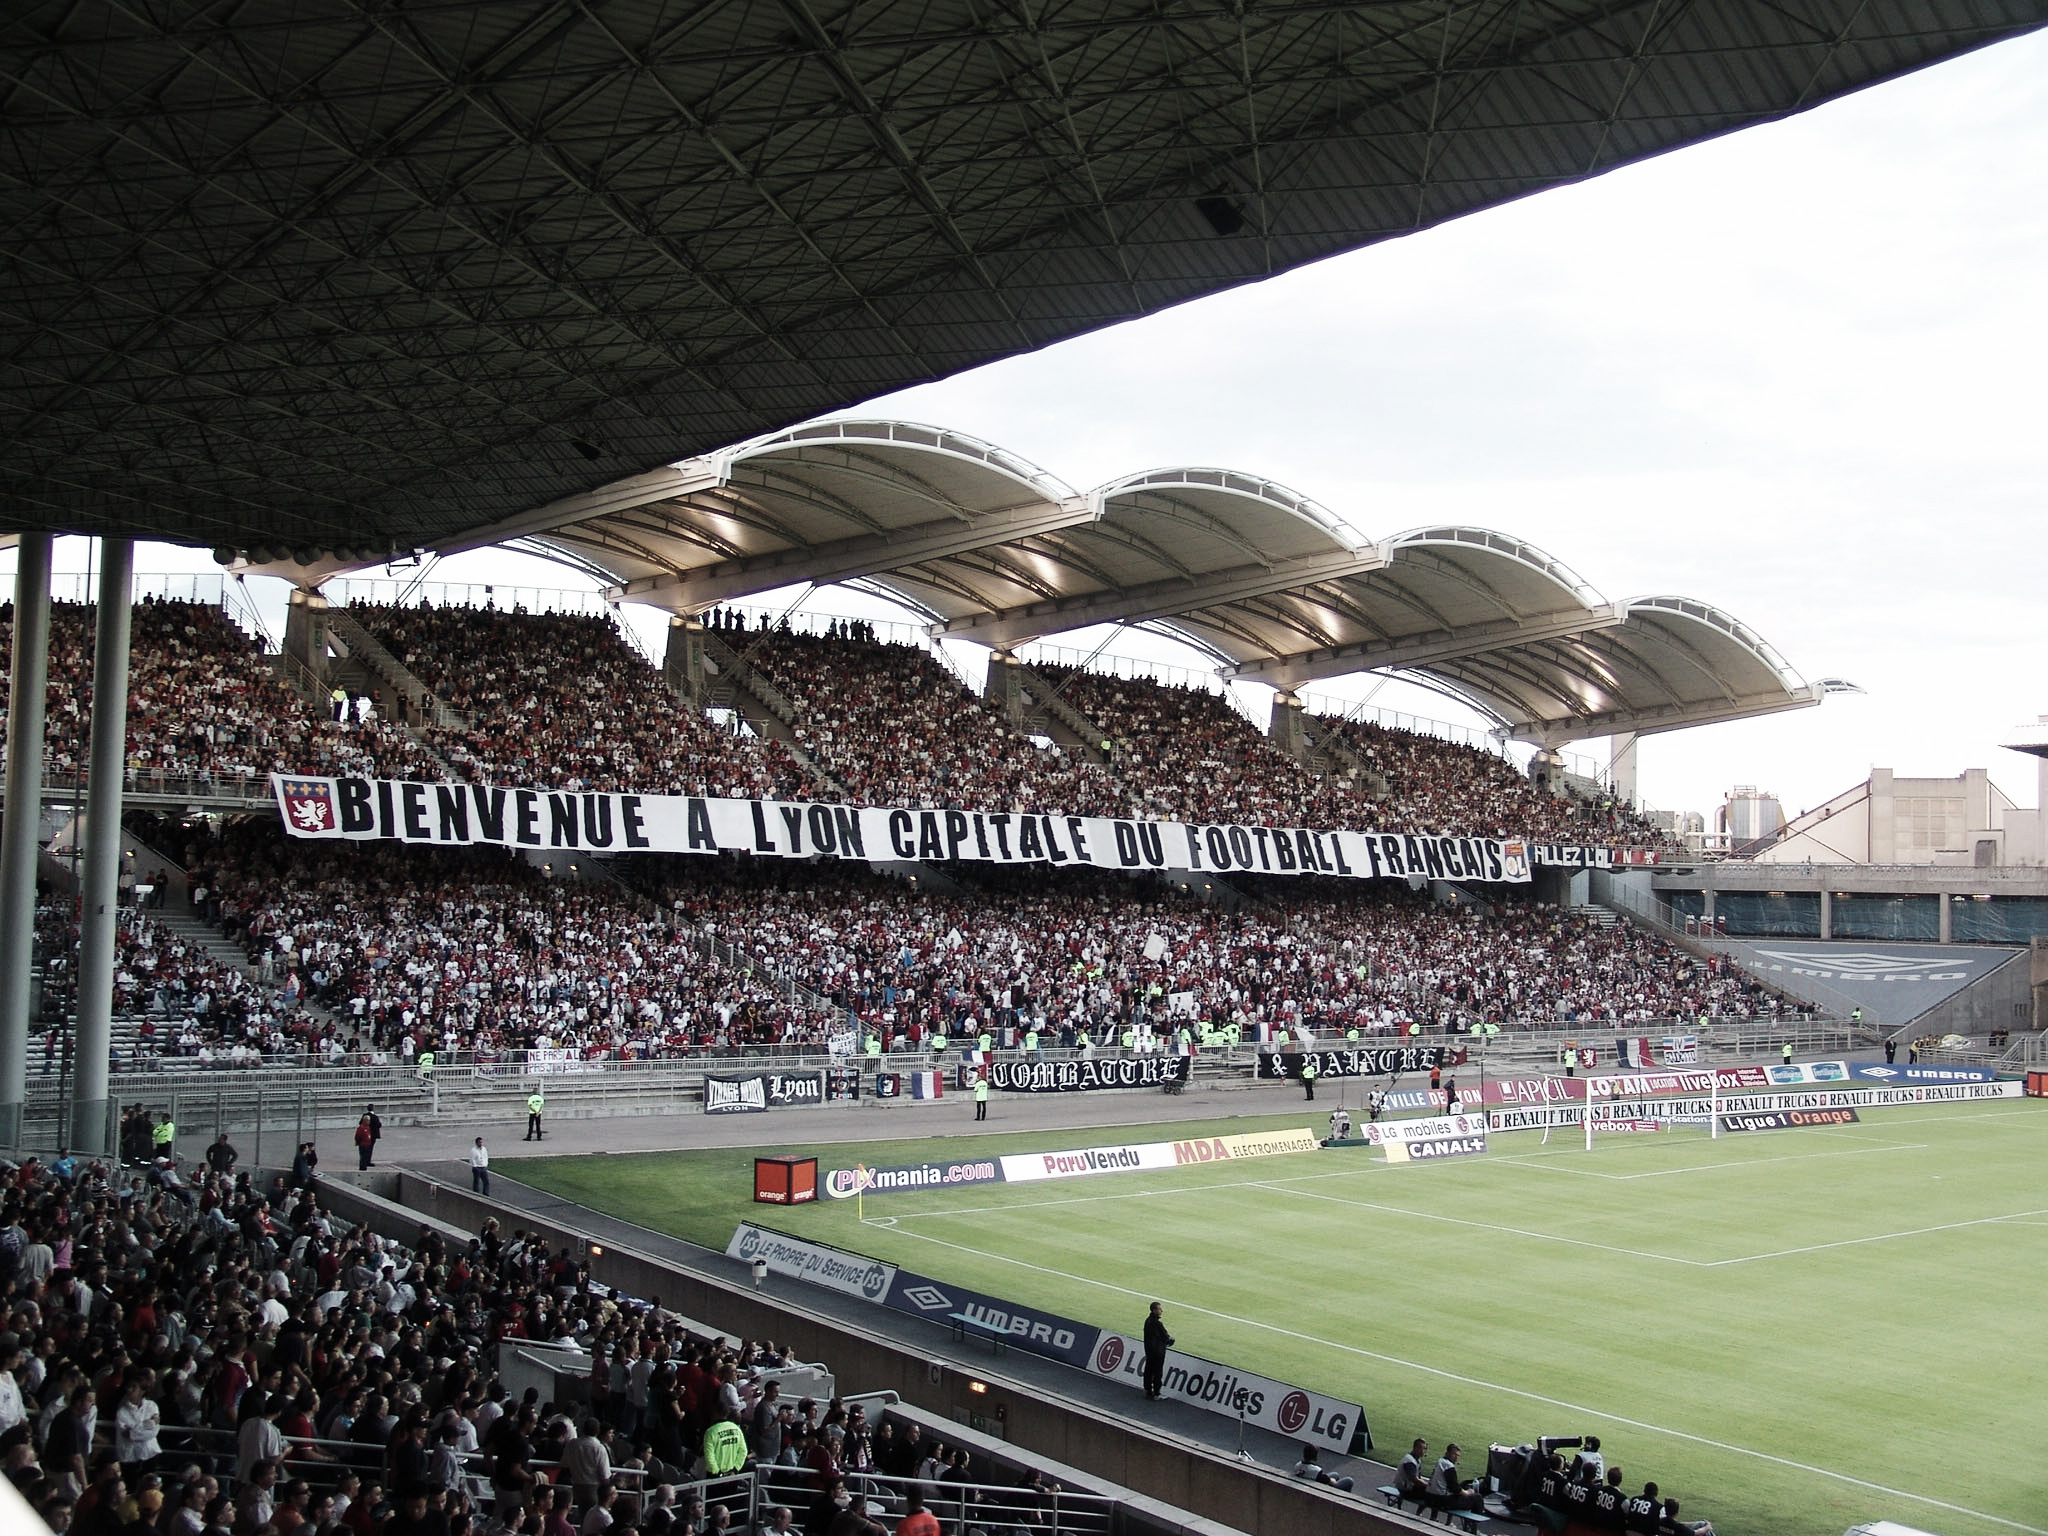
<point x="893" y="727"/>
<point x="366" y="951"/>
<point x="561" y="701"/>
<point x="203" y="705"/>
<point x="1422" y="783"/>
<point x="186" y="1345"/>
<point x="1184" y="754"/>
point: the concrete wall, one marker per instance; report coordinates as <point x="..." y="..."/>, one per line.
<point x="1116" y="1452"/>
<point x="2003" y="999"/>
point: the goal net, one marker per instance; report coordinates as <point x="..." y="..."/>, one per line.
<point x="1639" y="1103"/>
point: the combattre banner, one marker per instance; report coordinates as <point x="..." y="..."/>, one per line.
<point x="458" y="815"/>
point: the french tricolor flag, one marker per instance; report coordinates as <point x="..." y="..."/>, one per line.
<point x="925" y="1085"/>
<point x="1635" y="1053"/>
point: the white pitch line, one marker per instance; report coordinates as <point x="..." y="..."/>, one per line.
<point x="1493" y="1386"/>
<point x="1882" y="1237"/>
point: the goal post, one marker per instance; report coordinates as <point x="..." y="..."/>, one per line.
<point x="1652" y="1101"/>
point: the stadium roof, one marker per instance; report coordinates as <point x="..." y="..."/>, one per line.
<point x="1276" y="588"/>
<point x="327" y="276"/>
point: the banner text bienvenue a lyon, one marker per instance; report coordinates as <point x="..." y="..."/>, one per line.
<point x="458" y="815"/>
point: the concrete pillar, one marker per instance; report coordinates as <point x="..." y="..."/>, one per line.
<point x="1827" y="913"/>
<point x="90" y="1131"/>
<point x="682" y="665"/>
<point x="1004" y="690"/>
<point x="305" y="631"/>
<point x="27" y="681"/>
<point x="1883" y="847"/>
<point x="1943" y="932"/>
<point x="1285" y="728"/>
<point x="1621" y="765"/>
<point x="1707" y="907"/>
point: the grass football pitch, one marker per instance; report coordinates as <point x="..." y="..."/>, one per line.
<point x="1793" y="1331"/>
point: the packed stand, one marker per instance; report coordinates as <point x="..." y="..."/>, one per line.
<point x="380" y="953"/>
<point x="177" y="1000"/>
<point x="1425" y="784"/>
<point x="561" y="701"/>
<point x="189" y="1351"/>
<point x="410" y="950"/>
<point x="1184" y="754"/>
<point x="894" y="727"/>
<point x="1094" y="952"/>
<point x="203" y="703"/>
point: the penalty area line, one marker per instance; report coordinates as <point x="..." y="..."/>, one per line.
<point x="1494" y="1386"/>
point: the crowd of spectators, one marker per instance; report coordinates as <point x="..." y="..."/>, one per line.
<point x="1418" y="783"/>
<point x="894" y="727"/>
<point x="560" y="700"/>
<point x="203" y="704"/>
<point x="1094" y="953"/>
<point x="181" y="999"/>
<point x="564" y="701"/>
<point x="1185" y="754"/>
<point x="413" y="950"/>
<point x="189" y="1352"/>
<point x="383" y="952"/>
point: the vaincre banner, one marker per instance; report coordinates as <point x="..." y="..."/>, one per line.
<point x="460" y="815"/>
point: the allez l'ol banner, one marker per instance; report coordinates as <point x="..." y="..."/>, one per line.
<point x="460" y="815"/>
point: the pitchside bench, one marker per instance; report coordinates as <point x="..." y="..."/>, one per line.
<point x="1463" y="1519"/>
<point x="963" y="1324"/>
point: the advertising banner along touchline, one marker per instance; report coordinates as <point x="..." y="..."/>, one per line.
<point x="1291" y="1411"/>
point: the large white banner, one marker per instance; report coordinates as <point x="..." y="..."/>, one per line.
<point x="454" y="815"/>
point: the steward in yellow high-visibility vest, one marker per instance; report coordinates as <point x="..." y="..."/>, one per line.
<point x="534" y="1105"/>
<point x="725" y="1449"/>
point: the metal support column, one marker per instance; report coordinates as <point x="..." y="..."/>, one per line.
<point x="90" y="1130"/>
<point x="27" y="681"/>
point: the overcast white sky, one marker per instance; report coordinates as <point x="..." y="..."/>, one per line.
<point x="1796" y="373"/>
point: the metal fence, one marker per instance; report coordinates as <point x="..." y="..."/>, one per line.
<point x="749" y="1497"/>
<point x="395" y="593"/>
<point x="960" y="1507"/>
<point x="320" y="1461"/>
<point x="288" y="1098"/>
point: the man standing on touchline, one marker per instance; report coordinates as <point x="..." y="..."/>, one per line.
<point x="1157" y="1342"/>
<point x="480" y="1167"/>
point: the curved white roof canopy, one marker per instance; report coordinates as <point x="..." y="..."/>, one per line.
<point x="1276" y="587"/>
<point x="1671" y="662"/>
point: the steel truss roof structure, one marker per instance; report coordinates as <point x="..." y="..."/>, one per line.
<point x="323" y="276"/>
<point x="1276" y="588"/>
